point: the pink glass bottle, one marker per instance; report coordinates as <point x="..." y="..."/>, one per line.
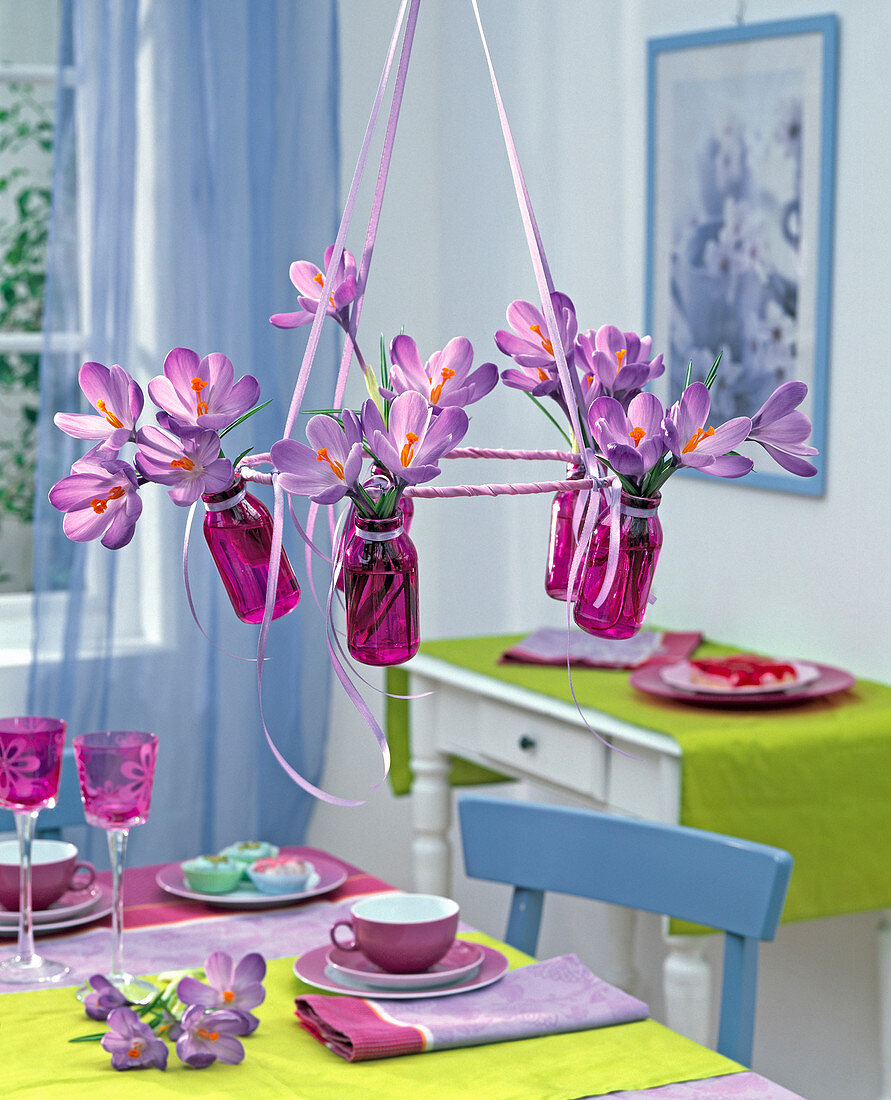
<point x="406" y="506"/>
<point x="561" y="544"/>
<point x="380" y="569"/>
<point x="238" y="530"/>
<point x="622" y="612"/>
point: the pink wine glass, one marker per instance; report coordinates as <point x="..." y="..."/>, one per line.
<point x="116" y="769"/>
<point x="30" y="762"/>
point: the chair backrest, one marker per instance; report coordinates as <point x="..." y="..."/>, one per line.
<point x="732" y="885"/>
<point x="68" y="810"/>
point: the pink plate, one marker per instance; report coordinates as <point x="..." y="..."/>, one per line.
<point x="462" y="959"/>
<point x="70" y="904"/>
<point x="101" y="908"/>
<point x="313" y="968"/>
<point x="827" y="681"/>
<point x="329" y="874"/>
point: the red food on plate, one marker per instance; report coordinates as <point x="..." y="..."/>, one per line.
<point x="741" y="670"/>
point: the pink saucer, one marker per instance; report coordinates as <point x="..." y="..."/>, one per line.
<point x="312" y="967"/>
<point x="460" y="960"/>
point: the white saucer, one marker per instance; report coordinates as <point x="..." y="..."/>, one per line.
<point x="463" y="959"/>
<point x="312" y="968"/>
<point x="101" y="908"/>
<point x="70" y="904"/>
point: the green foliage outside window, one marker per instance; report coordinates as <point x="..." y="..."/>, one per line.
<point x="26" y="136"/>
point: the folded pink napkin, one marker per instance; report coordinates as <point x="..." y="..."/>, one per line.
<point x="544" y="998"/>
<point x="547" y="646"/>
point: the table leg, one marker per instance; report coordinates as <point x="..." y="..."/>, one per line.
<point x="622" y="925"/>
<point x="431" y="816"/>
<point x="884" y="961"/>
<point x="686" y="978"/>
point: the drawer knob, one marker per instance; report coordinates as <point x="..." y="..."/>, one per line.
<point x="527" y="743"/>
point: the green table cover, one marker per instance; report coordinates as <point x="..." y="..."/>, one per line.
<point x="813" y="778"/>
<point x="282" y="1060"/>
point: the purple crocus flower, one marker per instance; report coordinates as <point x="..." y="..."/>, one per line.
<point x="119" y="402"/>
<point x="131" y="1043"/>
<point x="782" y="430"/>
<point x="615" y="363"/>
<point x="530" y="347"/>
<point x="209" y="1037"/>
<point x="103" y="998"/>
<point x="235" y="988"/>
<point x="310" y="285"/>
<point x="416" y="439"/>
<point x="203" y="392"/>
<point x="329" y="467"/>
<point x="705" y="448"/>
<point x="99" y="497"/>
<point x="631" y="442"/>
<point x="189" y="461"/>
<point x="446" y="379"/>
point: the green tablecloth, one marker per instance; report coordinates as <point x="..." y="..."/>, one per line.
<point x="813" y="778"/>
<point x="282" y="1060"/>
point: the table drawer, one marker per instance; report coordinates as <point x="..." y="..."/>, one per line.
<point x="534" y="744"/>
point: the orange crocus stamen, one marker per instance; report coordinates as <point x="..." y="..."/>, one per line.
<point x="135" y="1050"/>
<point x="637" y="435"/>
<point x="320" y="279"/>
<point x="99" y="504"/>
<point x="545" y="342"/>
<point x="228" y="996"/>
<point x="542" y="375"/>
<point x="205" y="1034"/>
<point x="436" y="392"/>
<point x="695" y="439"/>
<point x="322" y="456"/>
<point x="408" y="450"/>
<point x="109" y="416"/>
<point x="183" y="463"/>
<point x="198" y="385"/>
<point x="620" y="355"/>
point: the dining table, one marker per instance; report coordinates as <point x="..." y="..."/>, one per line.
<point x="169" y="928"/>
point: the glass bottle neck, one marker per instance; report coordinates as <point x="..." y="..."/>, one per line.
<point x="372" y="529"/>
<point x="229" y="498"/>
<point x="640" y="507"/>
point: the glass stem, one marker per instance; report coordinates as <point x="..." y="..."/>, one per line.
<point x="117" y="847"/>
<point x="24" y="827"/>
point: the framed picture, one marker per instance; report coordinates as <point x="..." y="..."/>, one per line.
<point x="741" y="155"/>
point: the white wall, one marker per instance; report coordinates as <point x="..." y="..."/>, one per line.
<point x="781" y="572"/>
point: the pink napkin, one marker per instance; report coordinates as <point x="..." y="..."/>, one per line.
<point x="547" y="646"/>
<point x="545" y="998"/>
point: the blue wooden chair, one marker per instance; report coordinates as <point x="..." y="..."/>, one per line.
<point x="728" y="884"/>
<point x="68" y="810"/>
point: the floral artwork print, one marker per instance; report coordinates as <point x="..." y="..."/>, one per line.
<point x="736" y="260"/>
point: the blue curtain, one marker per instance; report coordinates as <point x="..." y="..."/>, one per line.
<point x="200" y="139"/>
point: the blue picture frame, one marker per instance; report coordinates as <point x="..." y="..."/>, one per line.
<point x="741" y="126"/>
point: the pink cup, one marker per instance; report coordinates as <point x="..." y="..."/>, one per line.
<point x="401" y="933"/>
<point x="54" y="870"/>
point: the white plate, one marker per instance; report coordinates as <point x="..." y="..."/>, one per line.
<point x="70" y="904"/>
<point x="680" y="676"/>
<point x="461" y="960"/>
<point x="313" y="969"/>
<point x="328" y="876"/>
<point x="101" y="908"/>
